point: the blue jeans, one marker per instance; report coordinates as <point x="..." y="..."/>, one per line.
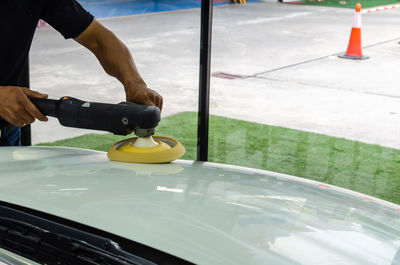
<point x="10" y="135"/>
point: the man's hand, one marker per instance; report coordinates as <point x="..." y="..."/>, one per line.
<point x="16" y="108"/>
<point x="141" y="94"/>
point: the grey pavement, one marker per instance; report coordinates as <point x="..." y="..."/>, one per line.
<point x="288" y="53"/>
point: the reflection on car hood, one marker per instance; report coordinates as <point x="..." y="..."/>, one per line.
<point x="204" y="212"/>
<point x="8" y="258"/>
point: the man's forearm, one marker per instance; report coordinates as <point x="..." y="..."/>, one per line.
<point x="117" y="61"/>
<point x="112" y="54"/>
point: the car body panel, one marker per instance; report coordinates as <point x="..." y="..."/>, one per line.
<point x="9" y="258"/>
<point x="205" y="213"/>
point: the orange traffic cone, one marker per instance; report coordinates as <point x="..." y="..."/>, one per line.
<point x="354" y="47"/>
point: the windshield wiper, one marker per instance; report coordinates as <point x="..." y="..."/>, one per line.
<point x="55" y="247"/>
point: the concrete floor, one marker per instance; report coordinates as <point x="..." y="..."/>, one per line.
<point x="297" y="81"/>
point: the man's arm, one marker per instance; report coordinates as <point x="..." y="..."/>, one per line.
<point x="117" y="61"/>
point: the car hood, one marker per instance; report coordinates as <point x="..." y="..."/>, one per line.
<point x="205" y="213"/>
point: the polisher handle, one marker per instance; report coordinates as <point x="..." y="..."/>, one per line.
<point x="48" y="107"/>
<point x="121" y="119"/>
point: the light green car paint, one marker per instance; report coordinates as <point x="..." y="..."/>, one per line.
<point x="8" y="258"/>
<point x="203" y="212"/>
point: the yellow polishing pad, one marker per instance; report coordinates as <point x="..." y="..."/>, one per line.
<point x="166" y="150"/>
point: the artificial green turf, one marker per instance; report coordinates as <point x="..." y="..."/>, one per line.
<point x="350" y="3"/>
<point x="365" y="168"/>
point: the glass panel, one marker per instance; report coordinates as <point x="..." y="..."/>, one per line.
<point x="284" y="101"/>
<point x="163" y="37"/>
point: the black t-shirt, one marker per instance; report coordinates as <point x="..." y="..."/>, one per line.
<point x="18" y="20"/>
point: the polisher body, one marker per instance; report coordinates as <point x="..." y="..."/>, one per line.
<point x="120" y="119"/>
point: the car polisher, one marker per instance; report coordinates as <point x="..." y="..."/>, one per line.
<point x="120" y="119"/>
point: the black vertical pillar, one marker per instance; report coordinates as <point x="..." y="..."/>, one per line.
<point x="204" y="84"/>
<point x="24" y="82"/>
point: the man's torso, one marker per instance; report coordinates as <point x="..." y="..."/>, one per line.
<point x="18" y="21"/>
